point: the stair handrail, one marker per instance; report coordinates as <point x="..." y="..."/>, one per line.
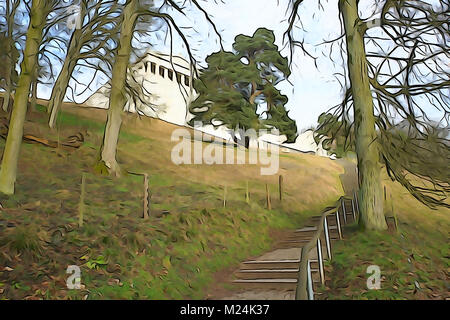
<point x="302" y="292"/>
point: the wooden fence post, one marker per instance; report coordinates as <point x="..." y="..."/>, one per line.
<point x="357" y="202"/>
<point x="81" y="204"/>
<point x="225" y="196"/>
<point x="145" y="214"/>
<point x="338" y="223"/>
<point x="354" y="209"/>
<point x="327" y="237"/>
<point x="280" y="187"/>
<point x="320" y="260"/>
<point x="269" y="205"/>
<point x="310" y="282"/>
<point x="395" y="215"/>
<point x="343" y="210"/>
<point x="247" y="196"/>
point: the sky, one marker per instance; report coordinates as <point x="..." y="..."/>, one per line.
<point x="310" y="90"/>
<point x="313" y="87"/>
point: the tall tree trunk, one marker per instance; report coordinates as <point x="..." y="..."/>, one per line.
<point x="367" y="147"/>
<point x="34" y="82"/>
<point x="60" y="87"/>
<point x="8" y="171"/>
<point x="6" y="96"/>
<point x="117" y="99"/>
<point x="9" y="60"/>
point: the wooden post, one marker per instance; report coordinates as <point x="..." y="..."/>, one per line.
<point x="338" y="223"/>
<point x="81" y="204"/>
<point x="280" y="187"/>
<point x="343" y="210"/>
<point x="145" y="214"/>
<point x="247" y="196"/>
<point x="395" y="215"/>
<point x="320" y="260"/>
<point x="357" y="202"/>
<point x="225" y="196"/>
<point x="353" y="209"/>
<point x="327" y="237"/>
<point x="310" y="282"/>
<point x="269" y="206"/>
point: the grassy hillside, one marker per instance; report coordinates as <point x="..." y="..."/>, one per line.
<point x="176" y="252"/>
<point x="414" y="261"/>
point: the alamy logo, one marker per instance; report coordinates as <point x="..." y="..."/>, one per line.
<point x="374" y="281"/>
<point x="74" y="21"/>
<point x="259" y="152"/>
<point x="74" y="281"/>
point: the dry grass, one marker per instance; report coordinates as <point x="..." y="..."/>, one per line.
<point x="175" y="253"/>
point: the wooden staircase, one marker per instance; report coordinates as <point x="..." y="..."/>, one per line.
<point x="267" y="273"/>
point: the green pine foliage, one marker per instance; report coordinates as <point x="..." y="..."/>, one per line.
<point x="237" y="85"/>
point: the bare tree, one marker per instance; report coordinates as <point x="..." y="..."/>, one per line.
<point x="133" y="11"/>
<point x="10" y="51"/>
<point x="95" y="39"/>
<point x="396" y="63"/>
<point x="8" y="172"/>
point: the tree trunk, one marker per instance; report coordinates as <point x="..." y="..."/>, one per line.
<point x="367" y="148"/>
<point x="8" y="171"/>
<point x="33" y="100"/>
<point x="9" y="62"/>
<point x="6" y="96"/>
<point x="117" y="99"/>
<point x="60" y="87"/>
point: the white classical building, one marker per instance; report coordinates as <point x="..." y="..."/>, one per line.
<point x="165" y="84"/>
<point x="167" y="91"/>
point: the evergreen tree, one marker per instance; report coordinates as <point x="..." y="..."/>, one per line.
<point x="236" y="84"/>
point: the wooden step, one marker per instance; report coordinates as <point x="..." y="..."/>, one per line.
<point x="305" y="233"/>
<point x="267" y="274"/>
<point x="268" y="284"/>
<point x="331" y="234"/>
<point x="331" y="221"/>
<point x="290" y="245"/>
<point x="270" y="264"/>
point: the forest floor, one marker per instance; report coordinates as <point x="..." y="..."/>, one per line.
<point x="190" y="239"/>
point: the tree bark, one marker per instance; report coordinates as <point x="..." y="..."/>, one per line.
<point x="9" y="62"/>
<point x="6" y="96"/>
<point x="117" y="99"/>
<point x="34" y="82"/>
<point x="367" y="147"/>
<point x="8" y="171"/>
<point x="60" y="87"/>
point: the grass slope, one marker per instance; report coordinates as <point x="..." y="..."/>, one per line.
<point x="414" y="261"/>
<point x="122" y="256"/>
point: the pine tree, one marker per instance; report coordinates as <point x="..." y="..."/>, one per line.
<point x="236" y="84"/>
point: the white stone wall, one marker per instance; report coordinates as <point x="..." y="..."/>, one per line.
<point x="166" y="84"/>
<point x="305" y="143"/>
